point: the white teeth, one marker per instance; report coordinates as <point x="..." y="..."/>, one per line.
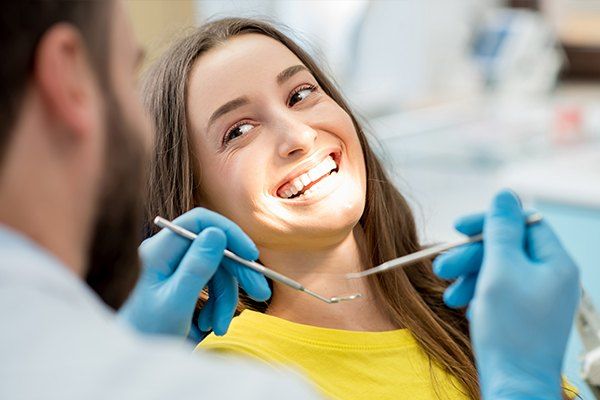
<point x="296" y="185"/>
<point x="330" y="163"/>
<point x="305" y="179"/>
<point x="299" y="185"/>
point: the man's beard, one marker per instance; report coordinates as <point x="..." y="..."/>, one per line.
<point x="113" y="264"/>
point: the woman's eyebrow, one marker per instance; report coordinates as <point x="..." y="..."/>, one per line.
<point x="289" y="72"/>
<point x="282" y="77"/>
<point x="227" y="107"/>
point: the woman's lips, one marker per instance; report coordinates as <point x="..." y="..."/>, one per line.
<point x="308" y="179"/>
<point x="318" y="191"/>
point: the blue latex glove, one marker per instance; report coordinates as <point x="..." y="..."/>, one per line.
<point x="522" y="289"/>
<point x="175" y="270"/>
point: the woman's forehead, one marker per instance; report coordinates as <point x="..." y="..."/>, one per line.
<point x="240" y="61"/>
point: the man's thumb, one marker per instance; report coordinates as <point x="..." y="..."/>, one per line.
<point x="504" y="227"/>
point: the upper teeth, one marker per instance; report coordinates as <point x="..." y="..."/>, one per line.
<point x="297" y="184"/>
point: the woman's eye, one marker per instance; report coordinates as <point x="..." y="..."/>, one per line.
<point x="236" y="131"/>
<point x="300" y="95"/>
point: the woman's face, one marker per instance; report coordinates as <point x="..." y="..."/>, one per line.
<point x="276" y="154"/>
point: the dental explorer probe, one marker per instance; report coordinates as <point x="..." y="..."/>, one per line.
<point x="276" y="276"/>
<point x="427" y="253"/>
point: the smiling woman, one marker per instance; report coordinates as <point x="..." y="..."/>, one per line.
<point x="250" y="127"/>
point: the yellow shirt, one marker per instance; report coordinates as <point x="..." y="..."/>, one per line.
<point x="344" y="365"/>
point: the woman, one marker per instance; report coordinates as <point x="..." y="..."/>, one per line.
<point x="250" y="127"/>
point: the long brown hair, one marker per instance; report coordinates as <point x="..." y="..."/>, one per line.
<point x="412" y="297"/>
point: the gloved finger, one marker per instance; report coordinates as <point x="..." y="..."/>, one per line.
<point x="205" y="317"/>
<point x="504" y="228"/>
<point x="224" y="289"/>
<point x="164" y="251"/>
<point x="542" y="243"/>
<point x="470" y="224"/>
<point x="464" y="260"/>
<point x="197" y="268"/>
<point x="473" y="224"/>
<point x="196" y="335"/>
<point x="253" y="283"/>
<point x="460" y="293"/>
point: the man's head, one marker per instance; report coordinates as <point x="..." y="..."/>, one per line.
<point x="73" y="136"/>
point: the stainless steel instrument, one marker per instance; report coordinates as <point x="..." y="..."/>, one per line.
<point x="269" y="273"/>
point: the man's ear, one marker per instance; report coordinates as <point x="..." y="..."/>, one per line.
<point x="65" y="79"/>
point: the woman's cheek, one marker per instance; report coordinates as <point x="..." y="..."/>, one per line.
<point x="241" y="187"/>
<point x="349" y="129"/>
<point x="217" y="187"/>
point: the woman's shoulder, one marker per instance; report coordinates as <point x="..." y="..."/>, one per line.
<point x="275" y="339"/>
<point x="247" y="335"/>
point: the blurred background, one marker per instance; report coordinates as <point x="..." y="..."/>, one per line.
<point x="463" y="97"/>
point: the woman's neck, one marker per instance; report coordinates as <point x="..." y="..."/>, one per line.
<point x="323" y="271"/>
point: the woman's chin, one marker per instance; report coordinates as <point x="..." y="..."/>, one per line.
<point x="327" y="220"/>
<point x="319" y="220"/>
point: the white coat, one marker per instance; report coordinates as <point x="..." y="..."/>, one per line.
<point x="59" y="341"/>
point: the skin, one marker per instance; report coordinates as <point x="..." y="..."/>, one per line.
<point x="285" y="127"/>
<point x="60" y="135"/>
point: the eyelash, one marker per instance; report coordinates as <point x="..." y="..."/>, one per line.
<point x="299" y="89"/>
<point x="227" y="137"/>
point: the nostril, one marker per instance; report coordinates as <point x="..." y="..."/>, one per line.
<point x="287" y="150"/>
<point x="295" y="151"/>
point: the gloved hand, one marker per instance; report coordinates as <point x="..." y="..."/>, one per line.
<point x="523" y="289"/>
<point x="175" y="270"/>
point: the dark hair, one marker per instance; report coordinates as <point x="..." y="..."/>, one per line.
<point x="23" y="23"/>
<point x="412" y="297"/>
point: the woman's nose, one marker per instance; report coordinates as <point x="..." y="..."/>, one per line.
<point x="298" y="138"/>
